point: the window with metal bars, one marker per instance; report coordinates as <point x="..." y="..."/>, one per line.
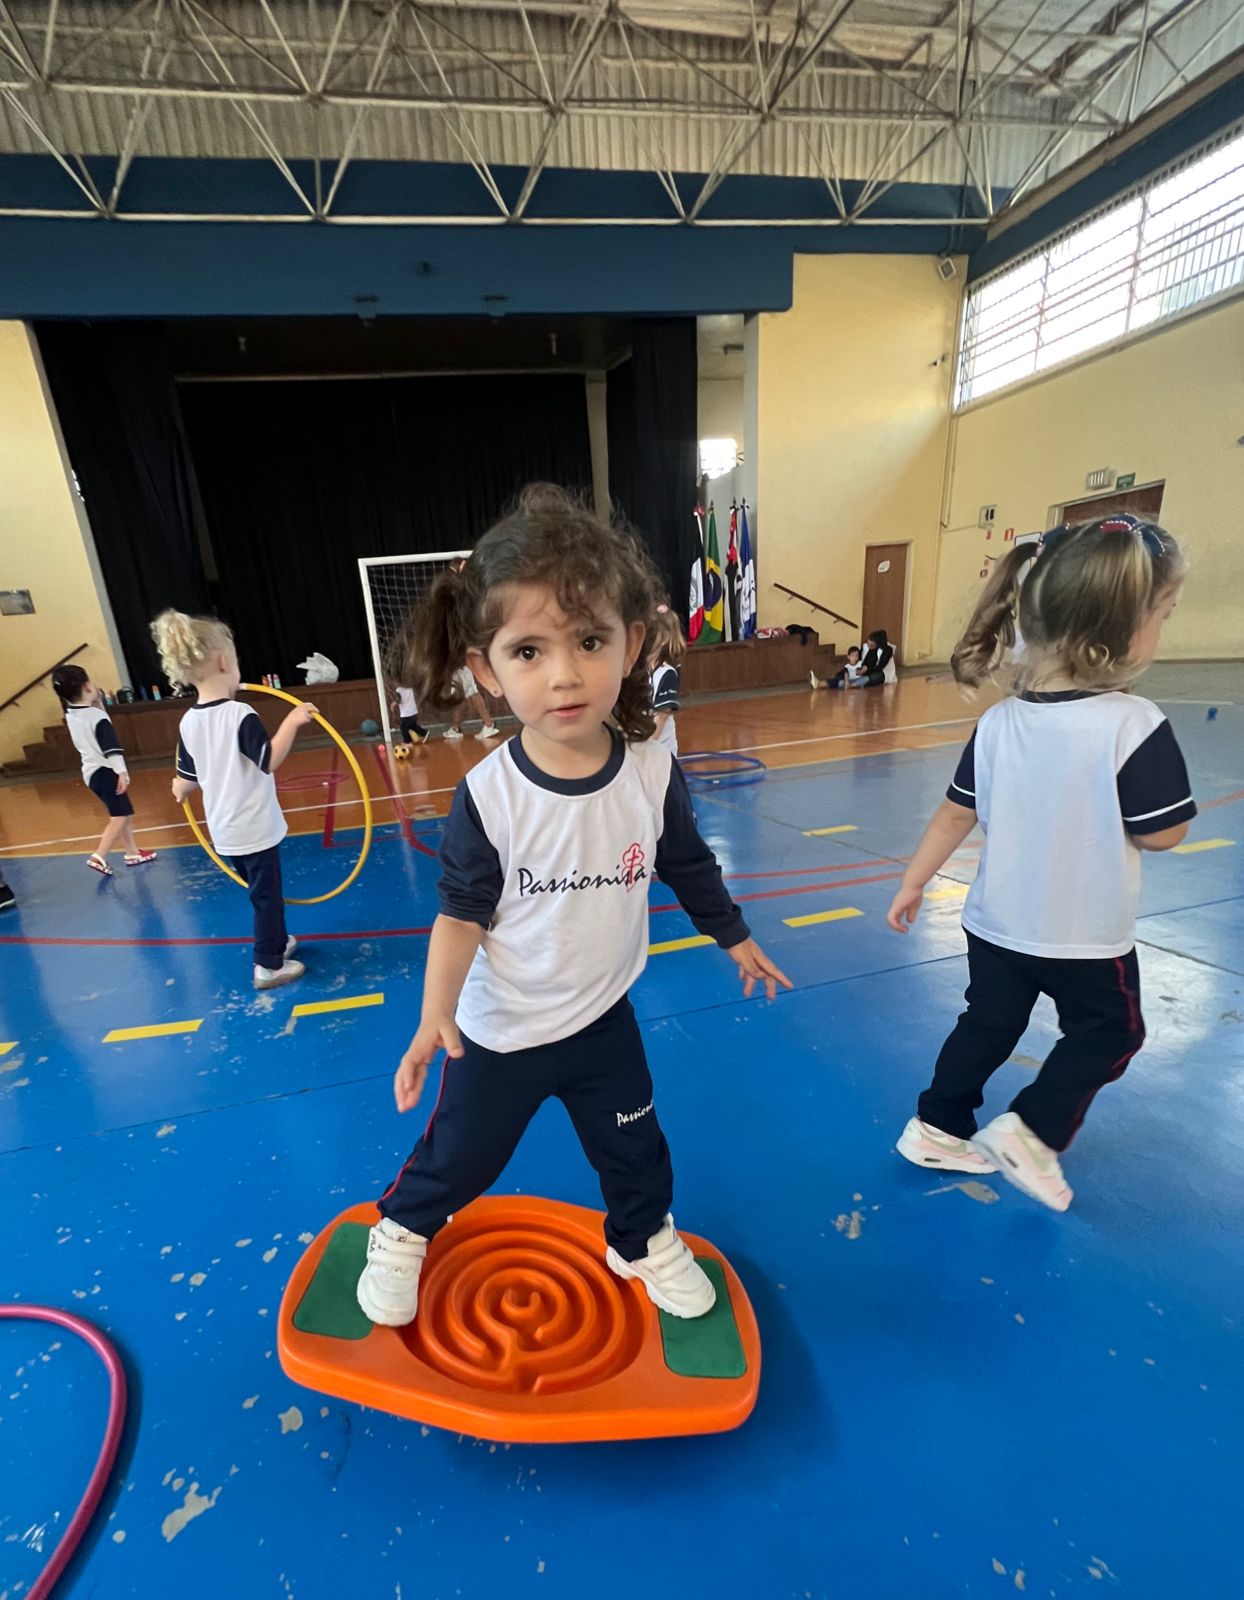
<point x="1156" y="254"/>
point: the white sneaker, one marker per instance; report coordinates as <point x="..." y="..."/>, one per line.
<point x="927" y="1146"/>
<point x="273" y="978"/>
<point x="291" y="944"/>
<point x="814" y="680"/>
<point x="388" y="1289"/>
<point x="674" y="1279"/>
<point x="1023" y="1160"/>
<point x="489" y="732"/>
<point x="453" y="733"/>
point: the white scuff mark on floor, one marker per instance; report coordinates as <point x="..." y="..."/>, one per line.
<point x="163" y="1133"/>
<point x="249" y="1402"/>
<point x="306" y="1238"/>
<point x="998" y="1567"/>
<point x="852" y="1226"/>
<point x="166" y="1249"/>
<point x="1019" y="1578"/>
<point x="119" y="1536"/>
<point x="241" y="1244"/>
<point x="195" y="1505"/>
<point x="270" y="1255"/>
<point x="1026" y="1061"/>
<point x="177" y="1277"/>
<point x="290" y="1420"/>
<point x="197" y="1278"/>
<point x="980" y="1192"/>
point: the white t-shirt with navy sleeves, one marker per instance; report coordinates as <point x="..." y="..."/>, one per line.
<point x="1063" y="784"/>
<point x="225" y="749"/>
<point x="557" y="871"/>
<point x="95" y="740"/>
<point x="665" y="683"/>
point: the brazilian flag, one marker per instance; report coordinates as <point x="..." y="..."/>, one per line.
<point x="714" y="610"/>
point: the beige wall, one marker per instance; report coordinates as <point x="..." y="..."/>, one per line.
<point x="852" y="419"/>
<point x="43" y="549"/>
<point x="721" y="409"/>
<point x="1170" y="406"/>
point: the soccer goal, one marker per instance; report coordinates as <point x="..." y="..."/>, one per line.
<point x="392" y="587"/>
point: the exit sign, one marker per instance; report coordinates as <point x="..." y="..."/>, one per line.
<point x="1125" y="480"/>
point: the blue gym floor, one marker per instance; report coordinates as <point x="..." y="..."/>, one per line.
<point x="962" y="1393"/>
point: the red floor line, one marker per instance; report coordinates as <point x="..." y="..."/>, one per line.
<point x="1222" y="800"/>
<point x="802" y="888"/>
<point x="799" y="872"/>
<point x="160" y="944"/>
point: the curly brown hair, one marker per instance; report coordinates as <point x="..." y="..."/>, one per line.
<point x="551" y="539"/>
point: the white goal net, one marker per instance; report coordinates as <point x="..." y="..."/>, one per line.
<point x="392" y="587"/>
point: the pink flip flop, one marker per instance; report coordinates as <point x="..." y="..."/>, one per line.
<point x="141" y="859"/>
<point x="98" y="864"/>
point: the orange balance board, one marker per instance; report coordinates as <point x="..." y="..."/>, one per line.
<point x="523" y="1333"/>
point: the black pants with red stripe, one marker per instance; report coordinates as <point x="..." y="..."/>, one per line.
<point x="1098" y="1011"/>
<point x="487" y="1099"/>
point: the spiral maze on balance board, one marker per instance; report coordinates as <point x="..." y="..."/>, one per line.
<point x="523" y="1333"/>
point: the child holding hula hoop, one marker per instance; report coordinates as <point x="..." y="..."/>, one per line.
<point x="223" y="749"/>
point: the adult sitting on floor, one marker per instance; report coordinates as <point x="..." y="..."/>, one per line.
<point x="877" y="667"/>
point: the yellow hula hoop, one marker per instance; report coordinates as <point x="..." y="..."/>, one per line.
<point x="315" y="899"/>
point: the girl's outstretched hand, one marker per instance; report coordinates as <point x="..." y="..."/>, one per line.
<point x="435" y="1033"/>
<point x="755" y="967"/>
<point x="904" y="908"/>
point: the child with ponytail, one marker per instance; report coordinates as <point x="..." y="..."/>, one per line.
<point x="548" y="852"/>
<point x="1071" y="777"/>
<point x="224" y="750"/>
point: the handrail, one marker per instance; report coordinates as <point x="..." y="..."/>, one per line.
<point x="816" y="606"/>
<point x="14" y="698"/>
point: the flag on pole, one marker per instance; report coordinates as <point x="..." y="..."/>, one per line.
<point x="695" y="602"/>
<point x="712" y="632"/>
<point x="747" y="605"/>
<point x="734" y="628"/>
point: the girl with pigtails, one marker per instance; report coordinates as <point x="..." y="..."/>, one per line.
<point x="1071" y="777"/>
<point x="549" y="850"/>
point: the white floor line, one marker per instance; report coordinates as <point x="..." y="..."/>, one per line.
<point x="166" y="827"/>
<point x="865" y="733"/>
<point x="381" y="799"/>
<point x="1194" y="702"/>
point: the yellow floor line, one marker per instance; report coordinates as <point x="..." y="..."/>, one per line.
<point x="955" y="893"/>
<point x="679" y="944"/>
<point x="5" y="1048"/>
<point x="822" y="916"/>
<point x="1202" y="844"/>
<point x="821" y="833"/>
<point x="317" y="1008"/>
<point x="155" y="1030"/>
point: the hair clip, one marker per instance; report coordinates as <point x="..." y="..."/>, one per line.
<point x="1124" y="522"/>
<point x="662" y="610"/>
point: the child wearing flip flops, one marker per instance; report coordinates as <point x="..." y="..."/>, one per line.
<point x="1071" y="777"/>
<point x="103" y="767"/>
<point x="224" y="749"/>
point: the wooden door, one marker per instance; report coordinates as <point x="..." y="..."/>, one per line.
<point x="885" y="592"/>
<point x="1145" y="503"/>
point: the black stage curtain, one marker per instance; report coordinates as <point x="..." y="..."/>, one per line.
<point x="654" y="445"/>
<point x="299" y="479"/>
<point x="114" y="393"/>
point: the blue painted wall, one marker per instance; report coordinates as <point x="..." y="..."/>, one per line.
<point x="74" y="268"/>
